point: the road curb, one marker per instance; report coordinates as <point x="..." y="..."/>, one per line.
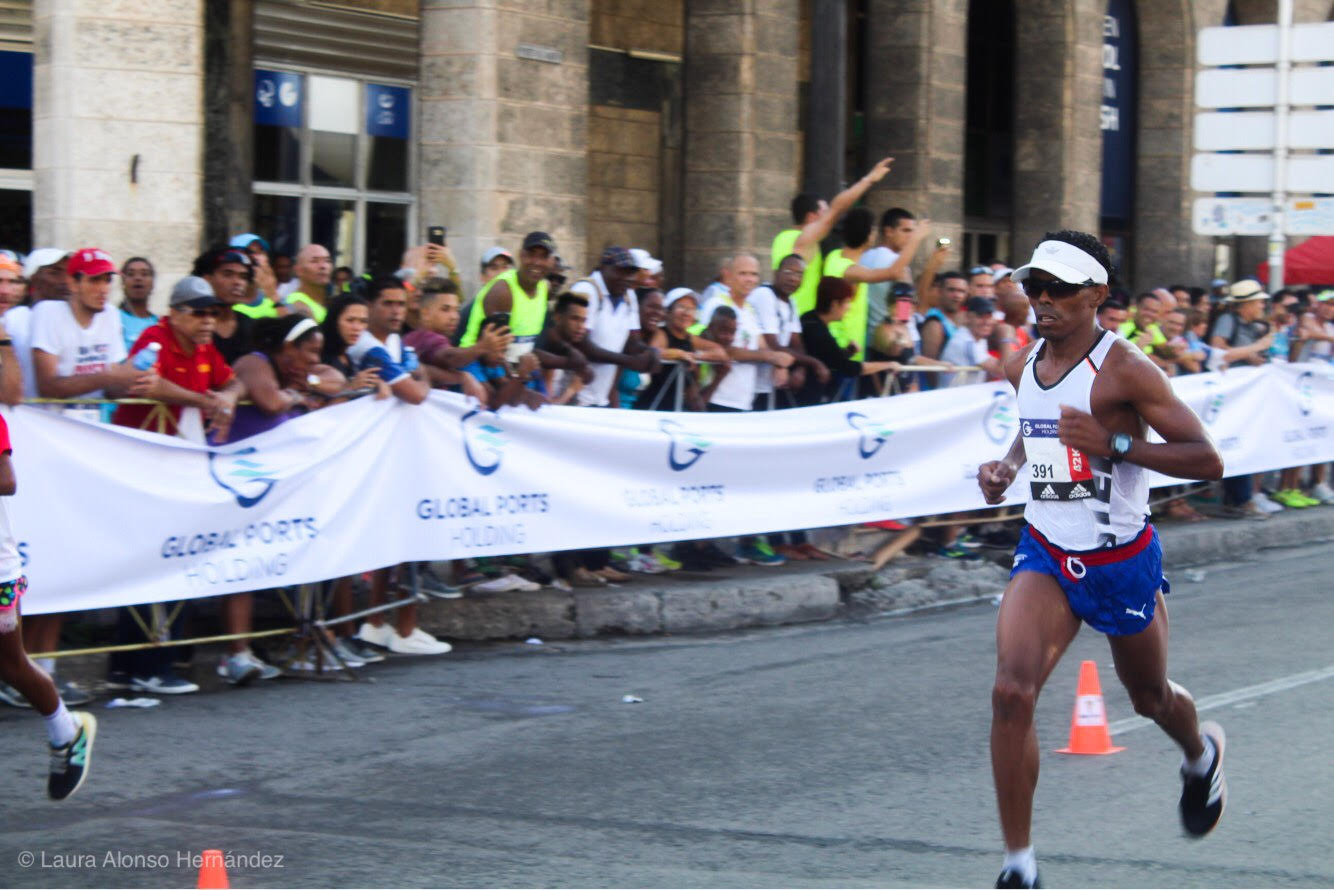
<point x="744" y="597"/>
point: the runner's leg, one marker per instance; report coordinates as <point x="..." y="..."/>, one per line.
<point x="1141" y="664"/>
<point x="1033" y="630"/>
<point x="17" y="669"/>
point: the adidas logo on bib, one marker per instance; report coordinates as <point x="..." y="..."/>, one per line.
<point x="1080" y="491"/>
<point x="1049" y="494"/>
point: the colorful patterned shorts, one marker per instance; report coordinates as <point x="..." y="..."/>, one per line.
<point x="10" y="591"/>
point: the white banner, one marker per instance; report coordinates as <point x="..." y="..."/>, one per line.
<point x="109" y="516"/>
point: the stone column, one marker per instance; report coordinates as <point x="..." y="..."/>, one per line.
<point x="915" y="107"/>
<point x="741" y="124"/>
<point x="827" y="107"/>
<point x="229" y="118"/>
<point x="1166" y="250"/>
<point x="1057" y="135"/>
<point x="118" y="129"/>
<point x="503" y="124"/>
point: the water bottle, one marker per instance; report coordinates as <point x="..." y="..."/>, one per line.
<point x="410" y="362"/>
<point x="146" y="358"/>
<point x="1278" y="350"/>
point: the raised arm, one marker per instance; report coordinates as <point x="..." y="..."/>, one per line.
<point x="819" y="228"/>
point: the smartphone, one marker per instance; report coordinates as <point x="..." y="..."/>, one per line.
<point x="903" y="310"/>
<point x="436" y="235"/>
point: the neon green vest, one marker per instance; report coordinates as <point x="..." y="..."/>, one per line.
<point x="527" y="313"/>
<point x="852" y="327"/>
<point x="803" y="298"/>
<point x="317" y="311"/>
<point x="265" y="309"/>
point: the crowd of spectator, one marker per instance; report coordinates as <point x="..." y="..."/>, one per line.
<point x="837" y="311"/>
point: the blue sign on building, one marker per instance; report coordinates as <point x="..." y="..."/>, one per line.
<point x="1120" y="76"/>
<point x="388" y="111"/>
<point x="278" y="98"/>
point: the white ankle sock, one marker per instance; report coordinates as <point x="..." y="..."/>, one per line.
<point x="1022" y="861"/>
<point x="1201" y="765"/>
<point x="48" y="665"/>
<point x="61" y="727"/>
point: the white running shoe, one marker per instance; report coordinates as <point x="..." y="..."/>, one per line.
<point x="1263" y="501"/>
<point x="645" y="565"/>
<point x="419" y="642"/>
<point x="376" y="636"/>
<point x="1323" y="493"/>
<point x="498" y="584"/>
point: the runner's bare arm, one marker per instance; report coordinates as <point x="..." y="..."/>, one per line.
<point x="995" y="476"/>
<point x="1187" y="451"/>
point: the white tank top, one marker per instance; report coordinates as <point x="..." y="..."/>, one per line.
<point x="1076" y="502"/>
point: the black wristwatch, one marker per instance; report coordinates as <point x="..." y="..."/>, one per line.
<point x="1120" y="444"/>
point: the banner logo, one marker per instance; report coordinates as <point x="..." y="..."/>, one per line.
<point x="483" y="443"/>
<point x="998" y="421"/>
<point x="1305" y="392"/>
<point x="1213" y="403"/>
<point x="246" y="480"/>
<point x="874" y="435"/>
<point x="685" y="449"/>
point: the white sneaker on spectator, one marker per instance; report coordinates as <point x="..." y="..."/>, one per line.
<point x="376" y="636"/>
<point x="1323" y="493"/>
<point x="498" y="584"/>
<point x="1263" y="501"/>
<point x="644" y="564"/>
<point x="419" y="642"/>
<point x="523" y="585"/>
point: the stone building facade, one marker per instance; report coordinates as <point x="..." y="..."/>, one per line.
<point x="681" y="126"/>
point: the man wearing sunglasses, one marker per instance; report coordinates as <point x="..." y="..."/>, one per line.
<point x="191" y="372"/>
<point x="1088" y="553"/>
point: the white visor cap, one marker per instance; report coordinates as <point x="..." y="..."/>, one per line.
<point x="1066" y="262"/>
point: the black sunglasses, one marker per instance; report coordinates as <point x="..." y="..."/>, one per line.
<point x="1033" y="288"/>
<point x="206" y="313"/>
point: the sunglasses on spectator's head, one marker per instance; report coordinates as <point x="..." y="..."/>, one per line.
<point x="1034" y="287"/>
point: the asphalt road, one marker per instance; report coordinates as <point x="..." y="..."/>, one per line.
<point x="840" y="754"/>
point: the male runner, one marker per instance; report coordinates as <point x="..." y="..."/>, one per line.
<point x="1088" y="553"/>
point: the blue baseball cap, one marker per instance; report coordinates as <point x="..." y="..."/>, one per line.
<point x="245" y="240"/>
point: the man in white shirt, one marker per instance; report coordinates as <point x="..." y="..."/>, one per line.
<point x="781" y="326"/>
<point x="749" y="350"/>
<point x="44" y="269"/>
<point x="613" y="341"/>
<point x="78" y="351"/>
<point x="968" y="346"/>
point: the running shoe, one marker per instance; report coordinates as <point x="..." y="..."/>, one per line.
<point x="364" y="652"/>
<point x="70" y="763"/>
<point x="12" y="697"/>
<point x="419" y="642"/>
<point x="1265" y="503"/>
<point x="72" y="694"/>
<point x="1203" y="798"/>
<point x="753" y="555"/>
<point x="1294" y="499"/>
<point x="242" y="668"/>
<point x="165" y="683"/>
<point x="498" y="584"/>
<point x="645" y="565"/>
<point x="1012" y="878"/>
<point x="668" y="564"/>
<point x="1323" y="493"/>
<point x="954" y="551"/>
<point x="375" y="636"/>
<point x="967" y="542"/>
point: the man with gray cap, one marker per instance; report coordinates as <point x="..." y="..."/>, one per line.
<point x="191" y="370"/>
<point x="1088" y="553"/>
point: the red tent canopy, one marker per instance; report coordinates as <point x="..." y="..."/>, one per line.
<point x="1311" y="262"/>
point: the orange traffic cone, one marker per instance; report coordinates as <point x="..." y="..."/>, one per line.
<point x="213" y="871"/>
<point x="1088" y="726"/>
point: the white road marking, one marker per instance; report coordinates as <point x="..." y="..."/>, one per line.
<point x="1223" y="699"/>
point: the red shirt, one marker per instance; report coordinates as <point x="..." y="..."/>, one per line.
<point x="200" y="371"/>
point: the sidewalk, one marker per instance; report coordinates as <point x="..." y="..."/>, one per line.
<point x="751" y="596"/>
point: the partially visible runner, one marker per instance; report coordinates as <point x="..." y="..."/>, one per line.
<point x="71" y="734"/>
<point x="1088" y="553"/>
